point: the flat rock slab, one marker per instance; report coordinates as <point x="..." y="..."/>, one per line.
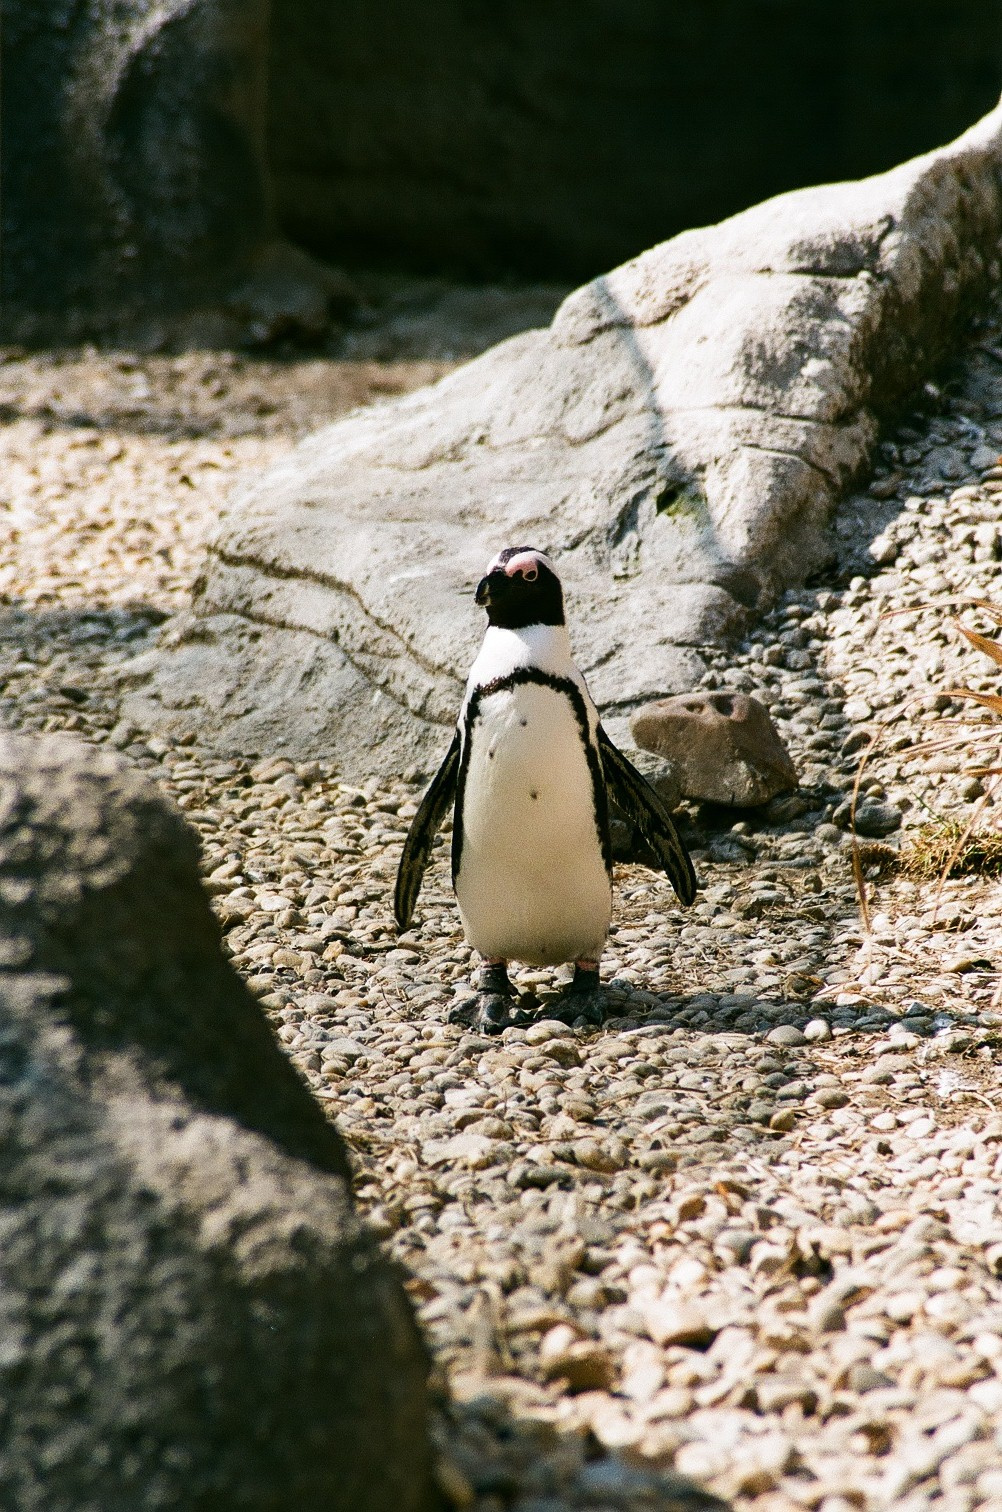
<point x="675" y="439"/>
<point x="194" y="1314"/>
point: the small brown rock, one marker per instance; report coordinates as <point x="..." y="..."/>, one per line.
<point x="578" y="1108"/>
<point x="564" y="1051"/>
<point x="674" y="1321"/>
<point x="561" y="1258"/>
<point x="827" y="1313"/>
<point x="786" y="1035"/>
<point x="604" y="1157"/>
<point x="494" y="1128"/>
<point x="688" y="1206"/>
<point x="775" y="1392"/>
<point x="830" y="1097"/>
<point x="724" y="746"/>
<point x="584" y="1364"/>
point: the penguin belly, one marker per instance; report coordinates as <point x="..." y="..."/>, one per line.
<point x="531" y="884"/>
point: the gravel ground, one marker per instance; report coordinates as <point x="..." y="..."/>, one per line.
<point x="750" y="1232"/>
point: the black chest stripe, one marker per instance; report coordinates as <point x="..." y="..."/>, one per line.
<point x="519" y="678"/>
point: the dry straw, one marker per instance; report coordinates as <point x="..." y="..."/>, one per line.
<point x="945" y="847"/>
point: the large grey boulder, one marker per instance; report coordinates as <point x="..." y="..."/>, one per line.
<point x="191" y="1313"/>
<point x="676" y="439"/>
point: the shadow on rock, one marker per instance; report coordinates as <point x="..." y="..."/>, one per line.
<point x="193" y="1314"/>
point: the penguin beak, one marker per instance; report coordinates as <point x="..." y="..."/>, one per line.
<point x="483" y="595"/>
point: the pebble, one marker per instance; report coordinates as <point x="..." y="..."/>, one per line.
<point x="584" y="1364"/>
<point x="826" y="1313"/>
<point x="787" y="1035"/>
<point x="831" y="1097"/>
<point x="543" y="1030"/>
<point x="751" y="1228"/>
<point x="672" y="1321"/>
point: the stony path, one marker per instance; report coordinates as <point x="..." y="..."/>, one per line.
<point x="751" y="1231"/>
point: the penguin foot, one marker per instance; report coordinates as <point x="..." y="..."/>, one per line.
<point x="495" y="1013"/>
<point x="494" y="1006"/>
<point x="494" y="979"/>
<point x="580" y="1011"/>
<point x="584" y="999"/>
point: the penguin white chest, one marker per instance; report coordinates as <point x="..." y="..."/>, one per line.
<point x="532" y="884"/>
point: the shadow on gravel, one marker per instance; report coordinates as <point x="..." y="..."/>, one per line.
<point x="260" y="404"/>
<point x="502" y="1457"/>
<point x="717" y="1105"/>
<point x="40" y="645"/>
<point x="52" y="622"/>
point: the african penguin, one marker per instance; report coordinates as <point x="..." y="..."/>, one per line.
<point x="529" y="775"/>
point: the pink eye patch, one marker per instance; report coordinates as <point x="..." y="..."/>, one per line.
<point x="527" y="563"/>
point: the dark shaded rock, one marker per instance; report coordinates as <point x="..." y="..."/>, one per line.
<point x="286" y="293"/>
<point x="437" y="320"/>
<point x="874" y="820"/>
<point x="661" y="773"/>
<point x="878" y="819"/>
<point x="785" y="808"/>
<point x="191" y="1314"/>
<point x="724" y="746"/>
<point x="562" y="139"/>
<point x="134" y="169"/>
<point x="676" y="440"/>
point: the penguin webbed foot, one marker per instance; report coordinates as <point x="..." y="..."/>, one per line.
<point x="583" y="1003"/>
<point x="496" y="1013"/>
<point x="494" y="1006"/>
<point x="492" y="1012"/>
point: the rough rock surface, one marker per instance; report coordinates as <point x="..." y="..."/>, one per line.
<point x="675" y="439"/>
<point x="192" y="1313"/>
<point x="145" y="123"/>
<point x="723" y="745"/>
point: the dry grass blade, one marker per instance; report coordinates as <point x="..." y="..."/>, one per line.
<point x="857" y="858"/>
<point x="993" y="611"/>
<point x="951" y="601"/>
<point x="950" y="847"/>
<point x="991" y="701"/>
<point x="982" y="643"/>
<point x="983" y="850"/>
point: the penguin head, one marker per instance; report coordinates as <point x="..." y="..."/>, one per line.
<point x="521" y="588"/>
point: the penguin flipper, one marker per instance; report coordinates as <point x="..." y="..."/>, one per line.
<point x="435" y="804"/>
<point x="645" y="808"/>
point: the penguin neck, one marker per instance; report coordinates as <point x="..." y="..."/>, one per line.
<point x="547" y="647"/>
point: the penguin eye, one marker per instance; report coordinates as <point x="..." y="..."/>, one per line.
<point x="530" y="574"/>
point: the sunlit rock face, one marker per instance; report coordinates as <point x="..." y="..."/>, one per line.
<point x="675" y="440"/>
